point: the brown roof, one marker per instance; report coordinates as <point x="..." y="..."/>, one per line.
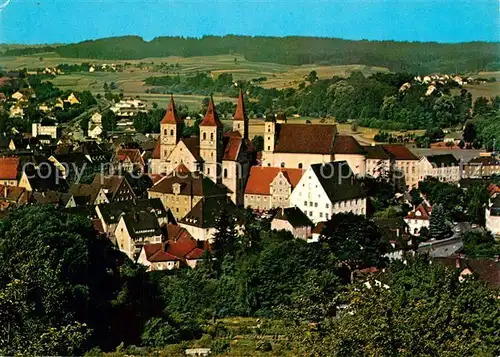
<point x="484" y="160"/>
<point x="191" y="184"/>
<point x="318" y="229"/>
<point x="157" y="150"/>
<point x="112" y="184"/>
<point x="211" y="117"/>
<point x="171" y="116"/>
<point x="193" y="145"/>
<point x="155" y="253"/>
<point x="487" y="270"/>
<point x="260" y="178"/>
<point x="424" y="210"/>
<point x="305" y="138"/>
<point x="133" y="154"/>
<point x="376" y="152"/>
<point x="346" y="144"/>
<point x="232" y="145"/>
<point x="400" y="152"/>
<point x="9" y="168"/>
<point x="240" y="108"/>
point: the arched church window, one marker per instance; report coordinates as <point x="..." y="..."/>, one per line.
<point x="211" y="136"/>
<point x="172" y="132"/>
<point x="282" y="164"/>
<point x="300" y="165"/>
<point x="164" y="131"/>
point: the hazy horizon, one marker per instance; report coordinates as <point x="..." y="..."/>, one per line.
<point x="62" y="21"/>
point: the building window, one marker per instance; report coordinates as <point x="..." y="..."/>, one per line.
<point x="315" y="204"/>
<point x="268" y="129"/>
<point x="268" y="149"/>
<point x="208" y="171"/>
<point x="282" y="164"/>
<point x="321" y="215"/>
<point x="211" y="136"/>
<point x="327" y="205"/>
<point x="204" y="136"/>
<point x="225" y="173"/>
<point x="300" y="165"/>
<point x="164" y="131"/>
<point x="305" y="203"/>
<point x="172" y="132"/>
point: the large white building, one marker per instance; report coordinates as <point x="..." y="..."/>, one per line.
<point x="419" y="218"/>
<point x="492" y="215"/>
<point x="302" y="145"/>
<point x="327" y="189"/>
<point x="444" y="167"/>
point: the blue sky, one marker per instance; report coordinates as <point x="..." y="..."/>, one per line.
<point x="63" y="21"/>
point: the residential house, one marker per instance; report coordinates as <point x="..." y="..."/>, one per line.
<point x="183" y="189"/>
<point x="293" y="220"/>
<point x="13" y="196"/>
<point x="327" y="189"/>
<point x="72" y="99"/>
<point x="482" y="166"/>
<point x="270" y="187"/>
<point x="419" y="218"/>
<point x="95" y="126"/>
<point x="317" y="231"/>
<point x="444" y="167"/>
<point x="18" y="96"/>
<point x="405" y="165"/>
<point x="136" y="229"/>
<point x="180" y="249"/>
<point x="487" y="270"/>
<point x="74" y="165"/>
<point x="379" y="162"/>
<point x="129" y="160"/>
<point x="201" y="220"/>
<point x="38" y="129"/>
<point x="302" y="145"/>
<point x="492" y="215"/>
<point x="39" y="174"/>
<point x="110" y="213"/>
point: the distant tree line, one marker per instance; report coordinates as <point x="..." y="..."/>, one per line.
<point x="418" y="57"/>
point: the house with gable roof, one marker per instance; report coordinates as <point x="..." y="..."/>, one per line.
<point x="327" y="189"/>
<point x="444" y="167"/>
<point x="419" y="218"/>
<point x="270" y="187"/>
<point x="293" y="220"/>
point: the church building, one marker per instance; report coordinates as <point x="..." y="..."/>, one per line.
<point x="223" y="157"/>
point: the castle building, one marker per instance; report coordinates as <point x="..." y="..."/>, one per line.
<point x="223" y="157"/>
<point x="302" y="145"/>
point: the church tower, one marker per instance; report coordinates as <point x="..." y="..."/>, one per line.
<point x="240" y="120"/>
<point x="170" y="131"/>
<point x="211" y="132"/>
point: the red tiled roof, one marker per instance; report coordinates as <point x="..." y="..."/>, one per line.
<point x="240" y="108"/>
<point x="9" y="168"/>
<point x="171" y="116"/>
<point x="196" y="253"/>
<point x="157" y="150"/>
<point x="305" y="138"/>
<point x="155" y="253"/>
<point x="493" y="189"/>
<point x="400" y="152"/>
<point x="211" y="118"/>
<point x="180" y="242"/>
<point x="318" y="229"/>
<point x="232" y="147"/>
<point x="133" y="154"/>
<point x="425" y="212"/>
<point x="260" y="178"/>
<point x="346" y="144"/>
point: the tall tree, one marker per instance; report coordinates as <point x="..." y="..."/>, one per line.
<point x="439" y="227"/>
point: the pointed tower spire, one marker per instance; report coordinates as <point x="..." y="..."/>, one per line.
<point x="211" y="118"/>
<point x="240" y="108"/>
<point x="171" y="117"/>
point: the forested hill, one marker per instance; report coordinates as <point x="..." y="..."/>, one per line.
<point x="415" y="57"/>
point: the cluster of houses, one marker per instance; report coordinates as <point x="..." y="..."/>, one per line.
<point x="166" y="217"/>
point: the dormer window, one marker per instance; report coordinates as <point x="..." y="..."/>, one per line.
<point x="176" y="188"/>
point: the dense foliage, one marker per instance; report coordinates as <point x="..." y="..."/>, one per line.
<point x="417" y="309"/>
<point x="417" y="57"/>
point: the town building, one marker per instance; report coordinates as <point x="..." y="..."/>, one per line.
<point x="405" y="165"/>
<point x="379" y="162"/>
<point x="481" y="166"/>
<point x="419" y="218"/>
<point x="327" y="189"/>
<point x="9" y="171"/>
<point x="129" y="160"/>
<point x="302" y="145"/>
<point x="492" y="215"/>
<point x="182" y="189"/>
<point x="38" y="129"/>
<point x="270" y="187"/>
<point x="293" y="220"/>
<point x="200" y="222"/>
<point x="444" y="167"/>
